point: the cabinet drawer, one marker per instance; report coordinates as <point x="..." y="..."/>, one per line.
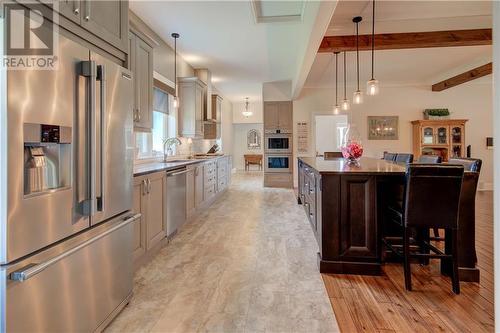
<point x="210" y="181"/>
<point x="221" y="184"/>
<point x="209" y="192"/>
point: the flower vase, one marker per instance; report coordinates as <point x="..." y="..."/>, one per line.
<point x="352" y="149"/>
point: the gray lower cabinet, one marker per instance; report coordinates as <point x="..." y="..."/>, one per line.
<point x="150" y="200"/>
<point x="140" y="62"/>
<point x="107" y="20"/>
<point x="198" y="186"/>
<point x="190" y="190"/>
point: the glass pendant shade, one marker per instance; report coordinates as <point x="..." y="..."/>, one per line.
<point x="372" y="88"/>
<point x="336" y="109"/>
<point x="176" y="102"/>
<point x="345" y="104"/>
<point x="357" y="97"/>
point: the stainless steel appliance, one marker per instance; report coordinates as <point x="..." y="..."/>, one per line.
<point x="278" y="143"/>
<point x="278" y="163"/>
<point x="176" y="200"/>
<point x="66" y="155"/>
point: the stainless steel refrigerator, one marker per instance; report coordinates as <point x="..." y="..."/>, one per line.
<point x="66" y="155"/>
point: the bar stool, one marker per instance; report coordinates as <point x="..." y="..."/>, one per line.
<point x="404" y="158"/>
<point x="429" y="159"/>
<point x="389" y="156"/>
<point x="431" y="200"/>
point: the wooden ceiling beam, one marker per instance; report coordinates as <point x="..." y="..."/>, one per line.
<point x="464" y="77"/>
<point x="408" y="40"/>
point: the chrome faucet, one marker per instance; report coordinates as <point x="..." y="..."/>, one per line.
<point x="167" y="146"/>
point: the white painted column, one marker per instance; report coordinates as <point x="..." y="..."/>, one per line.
<point x="496" y="163"/>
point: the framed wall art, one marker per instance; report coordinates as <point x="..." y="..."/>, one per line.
<point x="383" y="127"/>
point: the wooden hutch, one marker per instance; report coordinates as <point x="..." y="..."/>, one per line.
<point x="445" y="138"/>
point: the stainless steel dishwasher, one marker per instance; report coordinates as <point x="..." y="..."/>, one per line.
<point x="176" y="200"/>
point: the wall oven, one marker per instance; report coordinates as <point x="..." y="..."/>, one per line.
<point x="278" y="163"/>
<point x="278" y="143"/>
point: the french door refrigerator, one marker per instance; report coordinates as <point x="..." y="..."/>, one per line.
<point x="66" y="225"/>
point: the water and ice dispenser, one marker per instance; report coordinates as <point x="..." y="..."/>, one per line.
<point x="47" y="158"/>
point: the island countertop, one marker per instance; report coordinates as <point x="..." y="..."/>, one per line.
<point x="366" y="165"/>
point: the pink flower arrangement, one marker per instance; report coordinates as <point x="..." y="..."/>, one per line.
<point x="352" y="151"/>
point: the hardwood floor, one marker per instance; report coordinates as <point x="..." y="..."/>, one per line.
<point x="381" y="304"/>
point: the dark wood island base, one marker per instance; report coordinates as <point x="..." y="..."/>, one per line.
<point x="344" y="202"/>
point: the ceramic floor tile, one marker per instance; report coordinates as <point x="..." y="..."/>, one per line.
<point x="246" y="264"/>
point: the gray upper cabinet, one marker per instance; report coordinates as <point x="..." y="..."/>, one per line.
<point x="278" y="116"/>
<point x="140" y="62"/>
<point x="107" y="20"/>
<point x="191" y="107"/>
<point x="70" y="9"/>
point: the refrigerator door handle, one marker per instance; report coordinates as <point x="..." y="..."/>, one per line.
<point x="101" y="77"/>
<point x="31" y="270"/>
<point x="88" y="70"/>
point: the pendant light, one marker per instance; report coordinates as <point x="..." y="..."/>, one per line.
<point x="372" y="87"/>
<point x="336" y="109"/>
<point x="247" y="113"/>
<point x="345" y="105"/>
<point x="175" y="35"/>
<point x="357" y="97"/>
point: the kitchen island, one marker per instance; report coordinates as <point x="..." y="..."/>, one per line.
<point x="341" y="202"/>
<point x="345" y="207"/>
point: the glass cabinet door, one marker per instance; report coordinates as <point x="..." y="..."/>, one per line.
<point x="442" y="135"/>
<point x="428" y="135"/>
<point x="456" y="134"/>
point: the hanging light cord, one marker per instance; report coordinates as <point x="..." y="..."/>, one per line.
<point x="345" y="78"/>
<point x="336" y="77"/>
<point x="373" y="36"/>
<point x="357" y="52"/>
<point x="175" y="65"/>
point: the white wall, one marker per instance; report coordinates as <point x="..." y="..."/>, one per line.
<point x="254" y="106"/>
<point x="277" y="91"/>
<point x="496" y="124"/>
<point x="227" y="127"/>
<point x="240" y="143"/>
<point x="471" y="101"/>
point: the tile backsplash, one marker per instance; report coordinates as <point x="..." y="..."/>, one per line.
<point x="198" y="146"/>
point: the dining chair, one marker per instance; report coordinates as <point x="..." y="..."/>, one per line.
<point x="429" y="159"/>
<point x="431" y="200"/>
<point x="404" y="158"/>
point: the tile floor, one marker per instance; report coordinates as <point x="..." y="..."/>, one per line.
<point x="247" y="264"/>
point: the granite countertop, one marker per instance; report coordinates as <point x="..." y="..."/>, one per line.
<point x="366" y="165"/>
<point x="146" y="168"/>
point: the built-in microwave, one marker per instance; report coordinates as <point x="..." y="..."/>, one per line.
<point x="278" y="143"/>
<point x="278" y="163"/>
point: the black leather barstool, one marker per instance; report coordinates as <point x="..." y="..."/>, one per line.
<point x="431" y="200"/>
<point x="404" y="158"/>
<point x="391" y="157"/>
<point x="429" y="159"/>
<point x="470" y="164"/>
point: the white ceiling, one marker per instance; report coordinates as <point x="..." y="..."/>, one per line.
<point x="400" y="67"/>
<point x="411" y="66"/>
<point x="224" y="37"/>
<point x="410" y="16"/>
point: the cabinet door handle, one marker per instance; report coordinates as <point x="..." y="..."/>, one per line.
<point x="144" y="187"/>
<point x="87" y="10"/>
<point x="76" y="9"/>
<point x="149" y="185"/>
